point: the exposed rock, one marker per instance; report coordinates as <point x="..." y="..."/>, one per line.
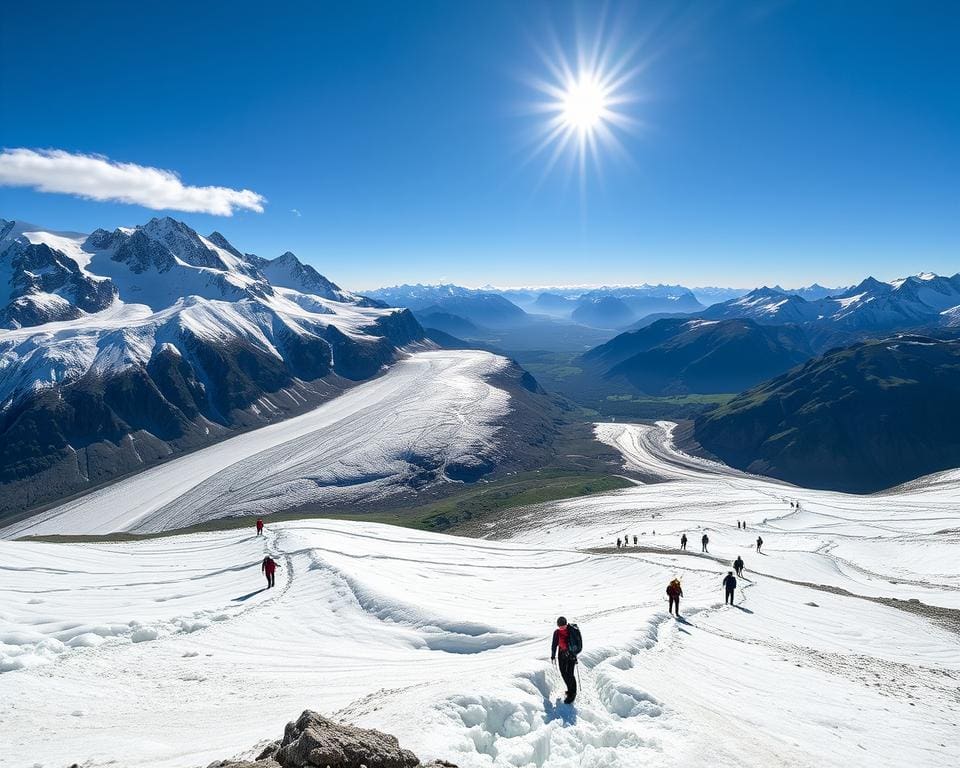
<point x="313" y="741"/>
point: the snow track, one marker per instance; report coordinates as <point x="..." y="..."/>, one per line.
<point x="167" y="652"/>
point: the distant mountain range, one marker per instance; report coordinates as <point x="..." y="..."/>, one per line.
<point x="123" y="347"/>
<point x="858" y="419"/>
<point x="606" y="309"/>
<point x="868" y="309"/>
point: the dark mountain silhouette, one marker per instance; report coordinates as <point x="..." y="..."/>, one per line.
<point x="858" y="419"/>
<point x="678" y="356"/>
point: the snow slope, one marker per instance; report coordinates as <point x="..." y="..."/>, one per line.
<point x="163" y="652"/>
<point x="430" y="410"/>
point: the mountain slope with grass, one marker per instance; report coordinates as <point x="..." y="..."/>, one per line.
<point x="860" y="418"/>
<point x="678" y="356"/>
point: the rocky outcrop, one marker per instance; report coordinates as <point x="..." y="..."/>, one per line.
<point x="313" y="741"/>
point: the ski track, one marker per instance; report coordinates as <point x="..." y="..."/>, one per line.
<point x="167" y="652"/>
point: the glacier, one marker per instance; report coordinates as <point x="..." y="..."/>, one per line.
<point x="166" y="652"/>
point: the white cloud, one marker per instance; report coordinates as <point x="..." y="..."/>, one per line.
<point x="295" y="212"/>
<point x="98" y="178"/>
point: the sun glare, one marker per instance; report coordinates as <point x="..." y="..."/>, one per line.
<point x="584" y="101"/>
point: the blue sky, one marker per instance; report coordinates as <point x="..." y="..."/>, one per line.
<point x="784" y="142"/>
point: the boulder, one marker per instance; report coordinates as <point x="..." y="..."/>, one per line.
<point x="314" y="741"/>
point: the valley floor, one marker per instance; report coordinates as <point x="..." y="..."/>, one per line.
<point x="167" y="652"/>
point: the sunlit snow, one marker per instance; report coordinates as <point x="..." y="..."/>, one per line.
<point x="164" y="652"/>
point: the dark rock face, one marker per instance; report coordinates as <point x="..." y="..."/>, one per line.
<point x="313" y="741"/>
<point x="39" y="270"/>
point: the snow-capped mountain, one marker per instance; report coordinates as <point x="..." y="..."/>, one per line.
<point x="40" y="282"/>
<point x="122" y="347"/>
<point x="925" y="300"/>
<point x="812" y="292"/>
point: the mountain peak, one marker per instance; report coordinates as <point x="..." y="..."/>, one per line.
<point x="221" y="242"/>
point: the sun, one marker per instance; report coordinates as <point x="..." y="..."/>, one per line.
<point x="585" y="104"/>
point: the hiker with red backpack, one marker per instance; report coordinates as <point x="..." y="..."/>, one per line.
<point x="259" y="527"/>
<point x="567" y="644"/>
<point x="269" y="567"/>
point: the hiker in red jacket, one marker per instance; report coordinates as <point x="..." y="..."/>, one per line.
<point x="269" y="567"/>
<point x="259" y="527"/>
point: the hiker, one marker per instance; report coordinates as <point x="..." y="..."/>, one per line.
<point x="618" y="542"/>
<point x="683" y="541"/>
<point x="568" y="641"/>
<point x="634" y="539"/>
<point x="759" y="543"/>
<point x="729" y="584"/>
<point x="674" y="593"/>
<point x="259" y="527"/>
<point x="704" y="540"/>
<point x="744" y="525"/>
<point x="738" y="566"/>
<point x="268" y="567"/>
<point x="738" y="524"/>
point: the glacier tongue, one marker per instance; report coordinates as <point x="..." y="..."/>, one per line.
<point x="432" y="412"/>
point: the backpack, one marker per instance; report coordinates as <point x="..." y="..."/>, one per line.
<point x="574" y="639"/>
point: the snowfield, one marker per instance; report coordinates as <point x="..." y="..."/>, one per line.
<point x="165" y="651"/>
<point x="430" y="410"/>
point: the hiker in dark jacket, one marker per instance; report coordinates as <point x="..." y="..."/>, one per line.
<point x="683" y="541"/>
<point x="738" y="566"/>
<point x="674" y="593"/>
<point x="704" y="540"/>
<point x="729" y="584"/>
<point x="561" y="652"/>
<point x="618" y="543"/>
<point x="759" y="543"/>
